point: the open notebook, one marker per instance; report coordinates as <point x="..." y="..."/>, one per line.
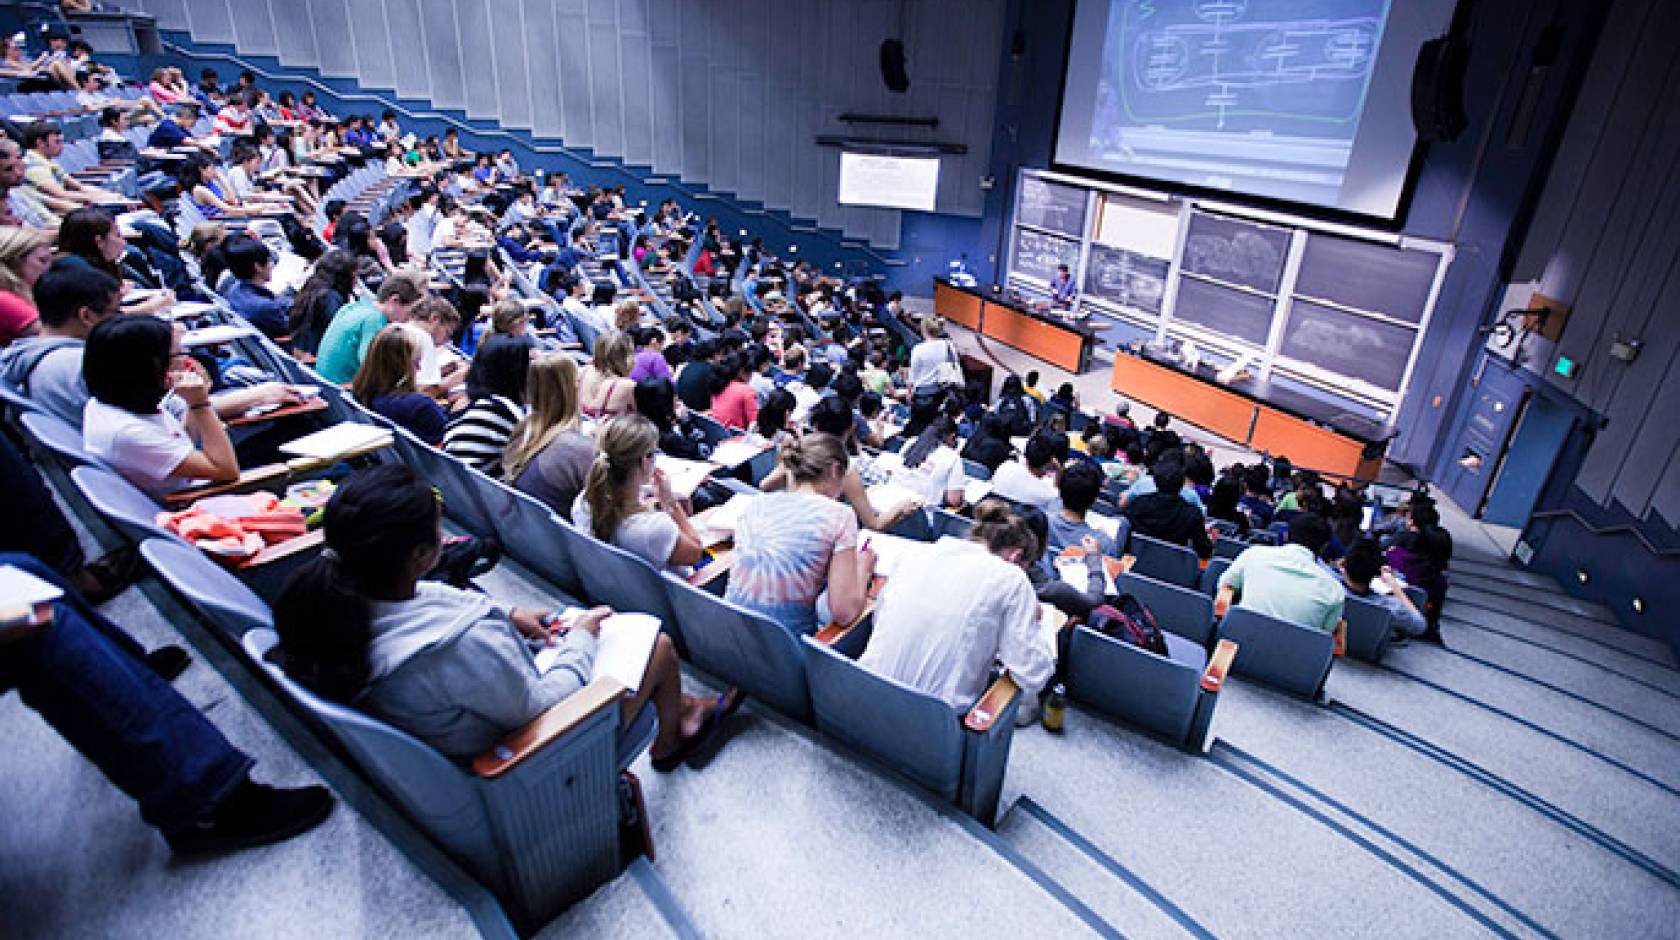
<point x="622" y="650"/>
<point x="685" y="475"/>
<point x="23" y="599"/>
<point x="347" y="437"/>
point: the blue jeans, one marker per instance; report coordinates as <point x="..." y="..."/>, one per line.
<point x="35" y="525"/>
<point x="86" y="678"/>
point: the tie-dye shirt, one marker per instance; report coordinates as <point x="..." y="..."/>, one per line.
<point x="783" y="543"/>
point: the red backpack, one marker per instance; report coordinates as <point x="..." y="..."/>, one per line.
<point x="1131" y="620"/>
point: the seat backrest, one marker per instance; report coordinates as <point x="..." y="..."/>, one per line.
<point x="1164" y="561"/>
<point x="609" y="575"/>
<point x="120" y="502"/>
<point x="1177" y="609"/>
<point x="1225" y="547"/>
<point x="1132" y="684"/>
<point x="11" y="395"/>
<point x="743" y="648"/>
<point x="1368" y="625"/>
<point x="439" y="796"/>
<point x="532" y="534"/>
<point x="234" y="608"/>
<point x="914" y="734"/>
<point x="459" y="484"/>
<point x="1212" y="573"/>
<point x="1278" y="653"/>
<point x="58" y="436"/>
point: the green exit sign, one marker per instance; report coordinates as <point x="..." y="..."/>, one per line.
<point x="1566" y="367"/>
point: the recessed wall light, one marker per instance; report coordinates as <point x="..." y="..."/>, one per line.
<point x="1639" y="605"/>
<point x="1582" y="576"/>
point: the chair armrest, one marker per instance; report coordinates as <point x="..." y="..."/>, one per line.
<point x="1222" y="602"/>
<point x="539" y="731"/>
<point x="1126" y="563"/>
<point x="992" y="704"/>
<point x="835" y="632"/>
<point x="1213" y="678"/>
<point x="254" y="478"/>
<point x="1340" y="633"/>
<point x="286" y="549"/>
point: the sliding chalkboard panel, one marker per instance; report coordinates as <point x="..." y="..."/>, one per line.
<point x="1348" y="344"/>
<point x="1126" y="277"/>
<point x="1232" y="313"/>
<point x="1236" y="252"/>
<point x="1391" y="281"/>
<point x="1052" y="206"/>
<point x="1037" y="254"/>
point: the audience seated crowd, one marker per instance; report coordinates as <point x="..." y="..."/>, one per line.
<point x="575" y="394"/>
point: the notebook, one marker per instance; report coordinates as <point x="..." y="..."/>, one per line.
<point x="340" y="439"/>
<point x="216" y="335"/>
<point x="717" y="524"/>
<point x="24" y="599"/>
<point x="685" y="475"/>
<point x="622" y="649"/>
<point x="737" y="451"/>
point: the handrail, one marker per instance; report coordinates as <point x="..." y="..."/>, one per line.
<point x="499" y="132"/>
<point x="1618" y="529"/>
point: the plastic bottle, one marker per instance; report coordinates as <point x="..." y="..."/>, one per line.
<point x="1055" y="706"/>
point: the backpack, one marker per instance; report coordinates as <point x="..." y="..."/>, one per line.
<point x="1017" y="415"/>
<point x="1131" y="620"/>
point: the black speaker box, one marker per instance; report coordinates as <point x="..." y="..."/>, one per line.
<point x="892" y="66"/>
<point x="1438" y="89"/>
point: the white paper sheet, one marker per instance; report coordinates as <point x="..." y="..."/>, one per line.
<point x="215" y="335"/>
<point x="622" y="650"/>
<point x="336" y="441"/>
<point x="685" y="475"/>
<point x="736" y="451"/>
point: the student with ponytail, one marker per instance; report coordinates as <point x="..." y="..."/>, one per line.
<point x="610" y="507"/>
<point x="454" y="668"/>
<point x="944" y="642"/>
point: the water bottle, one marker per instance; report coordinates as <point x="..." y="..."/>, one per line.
<point x="1055" y="706"/>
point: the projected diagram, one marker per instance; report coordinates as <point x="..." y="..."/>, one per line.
<point x="1263" y="95"/>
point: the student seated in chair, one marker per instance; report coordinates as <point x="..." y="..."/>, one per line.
<point x="154" y="425"/>
<point x="1287" y="581"/>
<point x="548" y="457"/>
<point x="1079" y="486"/>
<point x="1032" y="479"/>
<point x="1362" y="568"/>
<point x="386" y="385"/>
<point x="454" y="668"/>
<point x="611" y="509"/>
<point x="944" y="642"/>
<point x="1165" y="513"/>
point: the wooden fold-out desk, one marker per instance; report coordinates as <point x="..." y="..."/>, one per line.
<point x="1058" y="341"/>
<point x="1284" y="423"/>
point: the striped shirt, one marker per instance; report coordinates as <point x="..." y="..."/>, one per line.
<point x="480" y="433"/>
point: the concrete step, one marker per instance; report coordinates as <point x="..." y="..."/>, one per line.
<point x="1552" y="597"/>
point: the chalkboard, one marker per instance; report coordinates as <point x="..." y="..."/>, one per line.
<point x="1348" y="344"/>
<point x="1231" y="313"/>
<point x="1051" y="205"/>
<point x="1391" y="281"/>
<point x="1037" y="254"/>
<point x="1236" y="252"/>
<point x="1126" y="277"/>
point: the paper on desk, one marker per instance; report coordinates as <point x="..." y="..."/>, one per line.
<point x="891" y="551"/>
<point x="884" y="496"/>
<point x="290" y="272"/>
<point x="187" y="309"/>
<point x="685" y="475"/>
<point x="622" y="650"/>
<point x="1074" y="572"/>
<point x="215" y="335"/>
<point x="334" y="442"/>
<point x="737" y="450"/>
<point x="1107" y="525"/>
<point x="21" y="595"/>
<point x="975" y="491"/>
<point x="717" y="524"/>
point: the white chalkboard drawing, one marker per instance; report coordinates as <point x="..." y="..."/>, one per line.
<point x="1126" y="278"/>
<point x="1348" y="344"/>
<point x="1051" y="206"/>
<point x="1037" y="254"/>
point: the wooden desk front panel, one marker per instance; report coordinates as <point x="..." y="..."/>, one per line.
<point x="1034" y="337"/>
<point x="1197" y="402"/>
<point x="956" y="305"/>
<point x="1308" y="445"/>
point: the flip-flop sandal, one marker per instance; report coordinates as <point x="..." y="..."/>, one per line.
<point x="726" y="705"/>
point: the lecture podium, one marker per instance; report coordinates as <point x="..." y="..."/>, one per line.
<point x="1312" y="433"/>
<point x="1055" y="339"/>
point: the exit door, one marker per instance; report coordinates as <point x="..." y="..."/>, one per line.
<point x="1498" y="399"/>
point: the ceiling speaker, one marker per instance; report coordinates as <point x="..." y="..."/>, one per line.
<point x="892" y="66"/>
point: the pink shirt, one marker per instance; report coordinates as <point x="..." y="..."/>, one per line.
<point x="736" y="406"/>
<point x="15" y="316"/>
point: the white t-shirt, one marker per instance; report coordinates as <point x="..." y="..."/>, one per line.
<point x="934" y="362"/>
<point x="144" y="448"/>
<point x="944" y="642"/>
<point x="650" y="536"/>
<point x="587" y="314"/>
<point x="429" y="372"/>
<point x="938" y="473"/>
<point x="421" y="227"/>
<point x="1014" y="481"/>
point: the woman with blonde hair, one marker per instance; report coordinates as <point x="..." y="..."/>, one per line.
<point x="386" y="385"/>
<point x="548" y="455"/>
<point x="605" y="388"/>
<point x="24" y="254"/>
<point x="627" y="316"/>
<point x="610" y="508"/>
<point x="791" y="545"/>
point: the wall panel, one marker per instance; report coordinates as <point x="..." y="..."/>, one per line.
<point x="210" y="21"/>
<point x="330" y="19"/>
<point x="482" y="43"/>
<point x="409" y="69"/>
<point x="253" y="27"/>
<point x="372" y="43"/>
<point x="445" y="46"/>
<point x="294" y="34"/>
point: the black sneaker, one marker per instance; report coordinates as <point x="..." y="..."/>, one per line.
<point x="168" y="662"/>
<point x="112" y="574"/>
<point x="255" y="815"/>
